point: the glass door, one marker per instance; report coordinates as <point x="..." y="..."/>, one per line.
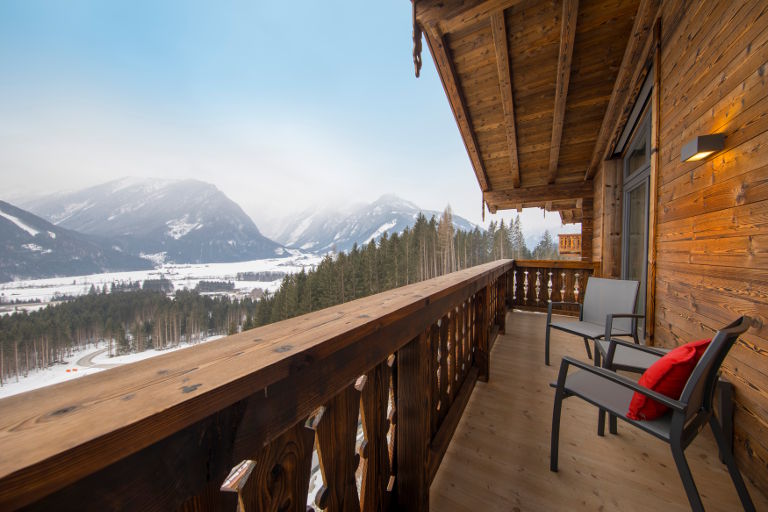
<point x="637" y="167"/>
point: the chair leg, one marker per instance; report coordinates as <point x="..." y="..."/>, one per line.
<point x="685" y="475"/>
<point x="730" y="462"/>
<point x="601" y="412"/>
<point x="546" y="347"/>
<point x="586" y="345"/>
<point x="601" y="422"/>
<point x="614" y="428"/>
<point x="555" y="436"/>
<point x="724" y="392"/>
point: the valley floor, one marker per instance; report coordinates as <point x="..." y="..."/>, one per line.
<point x="181" y="275"/>
<point x="80" y="363"/>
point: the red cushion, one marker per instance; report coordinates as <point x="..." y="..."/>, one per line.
<point x="667" y="376"/>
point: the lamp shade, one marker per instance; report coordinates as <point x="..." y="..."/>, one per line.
<point x="702" y="146"/>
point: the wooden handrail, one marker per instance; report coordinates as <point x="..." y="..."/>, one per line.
<point x="557" y="264"/>
<point x="164" y="433"/>
<point x="539" y="282"/>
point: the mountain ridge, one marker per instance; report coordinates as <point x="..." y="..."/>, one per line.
<point x="31" y="248"/>
<point x="329" y="229"/>
<point x="186" y="221"/>
<point x="190" y="221"/>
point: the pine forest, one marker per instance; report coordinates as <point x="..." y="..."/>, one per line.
<point x="132" y="318"/>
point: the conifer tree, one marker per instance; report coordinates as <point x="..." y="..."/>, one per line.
<point x="129" y="318"/>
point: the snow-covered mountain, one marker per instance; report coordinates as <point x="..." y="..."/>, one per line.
<point x="186" y="221"/>
<point x="31" y="247"/>
<point x="321" y="231"/>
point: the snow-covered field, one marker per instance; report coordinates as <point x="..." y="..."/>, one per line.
<point x="182" y="276"/>
<point x="95" y="359"/>
<point x="79" y="364"/>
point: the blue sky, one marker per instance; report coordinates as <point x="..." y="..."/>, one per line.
<point x="282" y="105"/>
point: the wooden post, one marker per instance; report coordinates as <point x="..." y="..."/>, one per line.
<point x="445" y="373"/>
<point x="482" y="356"/>
<point x="376" y="468"/>
<point x="452" y="351"/>
<point x="587" y="225"/>
<point x="653" y="188"/>
<point x="280" y="479"/>
<point x="502" y="300"/>
<point x="336" y="436"/>
<point x="413" y="425"/>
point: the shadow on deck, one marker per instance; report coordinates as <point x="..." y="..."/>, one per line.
<point x="499" y="456"/>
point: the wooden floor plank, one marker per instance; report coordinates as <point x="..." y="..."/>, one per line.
<point x="499" y="456"/>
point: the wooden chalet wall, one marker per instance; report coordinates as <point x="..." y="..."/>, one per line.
<point x="606" y="239"/>
<point x="712" y="215"/>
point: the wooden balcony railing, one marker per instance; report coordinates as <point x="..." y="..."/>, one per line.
<point x="163" y="434"/>
<point x="538" y="282"/>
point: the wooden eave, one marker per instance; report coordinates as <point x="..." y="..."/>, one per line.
<point x="533" y="86"/>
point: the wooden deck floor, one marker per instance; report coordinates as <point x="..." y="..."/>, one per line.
<point x="499" y="456"/>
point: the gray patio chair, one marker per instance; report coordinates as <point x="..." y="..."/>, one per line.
<point x="678" y="427"/>
<point x="608" y="310"/>
<point x="621" y="355"/>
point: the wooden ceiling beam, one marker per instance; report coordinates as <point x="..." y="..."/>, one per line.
<point x="570" y="216"/>
<point x="644" y="19"/>
<point x="453" y="15"/>
<point x="438" y="48"/>
<point x="567" y="39"/>
<point x="499" y="31"/>
<point x="507" y="199"/>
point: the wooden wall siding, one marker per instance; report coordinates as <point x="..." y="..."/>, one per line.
<point x="712" y="257"/>
<point x="404" y="362"/>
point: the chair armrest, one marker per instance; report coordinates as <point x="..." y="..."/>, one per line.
<point x="673" y="404"/>
<point x="609" y="323"/>
<point x="642" y="348"/>
<point x="634" y="346"/>
<point x="562" y="302"/>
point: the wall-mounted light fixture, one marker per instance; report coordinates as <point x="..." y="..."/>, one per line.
<point x="702" y="146"/>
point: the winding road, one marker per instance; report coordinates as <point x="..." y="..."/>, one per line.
<point x="87" y="360"/>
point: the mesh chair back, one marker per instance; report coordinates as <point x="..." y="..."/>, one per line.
<point x="699" y="390"/>
<point x="610" y="296"/>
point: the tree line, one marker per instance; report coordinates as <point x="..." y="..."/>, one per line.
<point x="133" y="319"/>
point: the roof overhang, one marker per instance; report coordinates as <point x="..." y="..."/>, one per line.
<point x="535" y="88"/>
